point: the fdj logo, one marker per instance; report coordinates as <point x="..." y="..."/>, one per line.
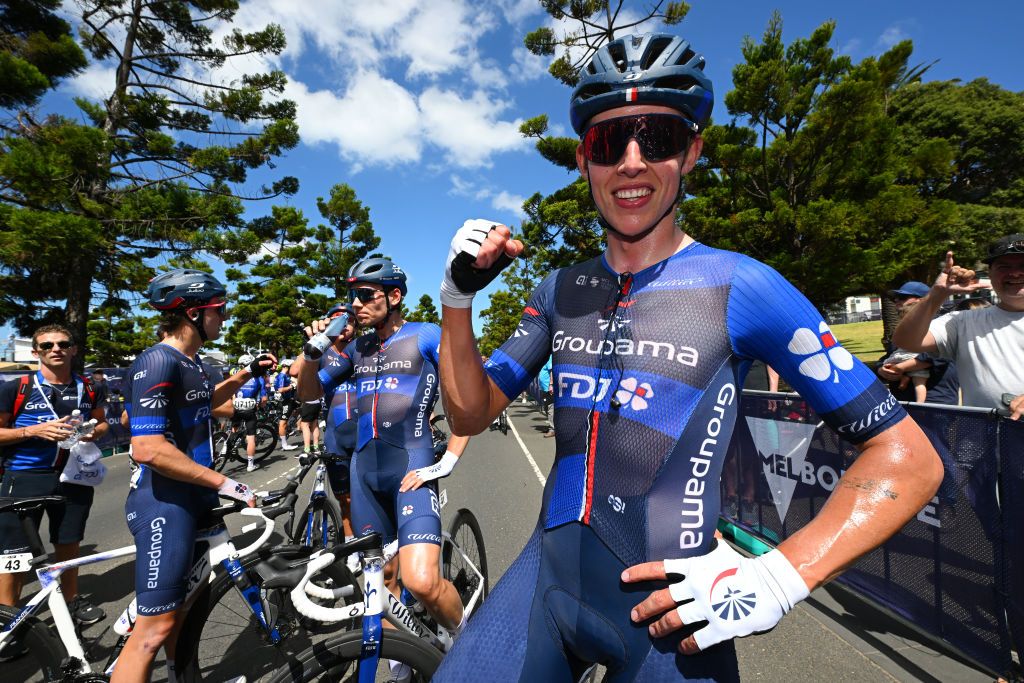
<point x="575" y="385"/>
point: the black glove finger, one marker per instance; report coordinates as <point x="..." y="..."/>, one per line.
<point x="470" y="279"/>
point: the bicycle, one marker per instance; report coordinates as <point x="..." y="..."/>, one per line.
<point x="230" y="444"/>
<point x="63" y="657"/>
<point x="416" y="641"/>
<point x="439" y="432"/>
<point x="501" y="423"/>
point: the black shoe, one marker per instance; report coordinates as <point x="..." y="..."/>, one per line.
<point x="84" y="612"/>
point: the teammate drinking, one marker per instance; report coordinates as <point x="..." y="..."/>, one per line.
<point x="650" y="344"/>
<point x="171" y="400"/>
<point x="394" y="369"/>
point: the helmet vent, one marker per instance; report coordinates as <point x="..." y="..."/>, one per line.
<point x="688" y="54"/>
<point x="593" y="91"/>
<point x="674" y="83"/>
<point x="654" y="50"/>
<point x="617" y="52"/>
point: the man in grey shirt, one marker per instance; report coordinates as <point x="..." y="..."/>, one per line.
<point x="987" y="343"/>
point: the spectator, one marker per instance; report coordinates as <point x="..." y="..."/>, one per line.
<point x="547" y="393"/>
<point x="987" y="344"/>
<point x="34" y="413"/>
<point x="99" y="381"/>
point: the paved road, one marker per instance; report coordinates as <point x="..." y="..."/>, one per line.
<point x="828" y="637"/>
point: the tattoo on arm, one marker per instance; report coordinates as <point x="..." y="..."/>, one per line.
<point x="869" y="486"/>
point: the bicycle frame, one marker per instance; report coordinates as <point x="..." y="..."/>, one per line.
<point x="318" y="492"/>
<point x="219" y="550"/>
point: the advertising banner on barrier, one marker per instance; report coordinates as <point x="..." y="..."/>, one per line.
<point x="943" y="570"/>
<point x="1011" y="446"/>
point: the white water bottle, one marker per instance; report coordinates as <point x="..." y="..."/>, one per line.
<point x="316" y="346"/>
<point x="126" y="622"/>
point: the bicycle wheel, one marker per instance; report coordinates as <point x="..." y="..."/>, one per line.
<point x="336" y="659"/>
<point x="325" y="522"/>
<point x="439" y="431"/>
<point x="266" y="440"/>
<point x="42" y="660"/>
<point x="465" y="533"/>
<point x="503" y="423"/>
<point x="220" y="458"/>
<point x="222" y="640"/>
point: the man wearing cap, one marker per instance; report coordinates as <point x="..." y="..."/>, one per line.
<point x="987" y="344"/>
<point x="943" y="385"/>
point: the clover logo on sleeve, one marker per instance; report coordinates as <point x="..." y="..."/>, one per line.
<point x="825" y="357"/>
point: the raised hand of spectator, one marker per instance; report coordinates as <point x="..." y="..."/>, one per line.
<point x="956" y="279"/>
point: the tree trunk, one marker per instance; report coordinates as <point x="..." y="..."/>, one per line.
<point x="76" y="311"/>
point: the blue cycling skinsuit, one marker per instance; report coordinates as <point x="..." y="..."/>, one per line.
<point x="32" y="467"/>
<point x="170" y="397"/>
<point x="340" y="431"/>
<point x="396" y="387"/>
<point x="647" y="372"/>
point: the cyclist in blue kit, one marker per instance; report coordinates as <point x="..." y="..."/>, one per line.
<point x="172" y="397"/>
<point x="394" y="369"/>
<point x="650" y="343"/>
<point x="284" y="387"/>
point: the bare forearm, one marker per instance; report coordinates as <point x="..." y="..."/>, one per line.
<point x="885" y="487"/>
<point x="457" y="444"/>
<point x="912" y="331"/>
<point x="163" y="457"/>
<point x="467" y="388"/>
<point x="308" y="387"/>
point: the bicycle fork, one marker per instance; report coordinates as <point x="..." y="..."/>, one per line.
<point x="373" y="606"/>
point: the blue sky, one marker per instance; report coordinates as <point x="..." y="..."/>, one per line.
<point x="416" y="104"/>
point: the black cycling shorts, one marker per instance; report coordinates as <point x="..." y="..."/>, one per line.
<point x="248" y="420"/>
<point x="309" y="412"/>
<point x="66" y="520"/>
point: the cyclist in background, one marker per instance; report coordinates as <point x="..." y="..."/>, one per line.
<point x="284" y="385"/>
<point x="247" y="400"/>
<point x="171" y="400"/>
<point x="650" y="344"/>
<point x="394" y="369"/>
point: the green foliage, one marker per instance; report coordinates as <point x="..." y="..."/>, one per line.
<point x="426" y="312"/>
<point x="36" y="51"/>
<point x="351" y="240"/>
<point x="277" y="296"/>
<point x="154" y="174"/>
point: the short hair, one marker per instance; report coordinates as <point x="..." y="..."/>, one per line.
<point x="168" y="322"/>
<point x="97" y="371"/>
<point x="51" y="329"/>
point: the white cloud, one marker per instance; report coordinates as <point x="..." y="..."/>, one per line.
<point x="375" y="122"/>
<point x="469" y="130"/>
<point x="513" y="203"/>
<point x="516" y="11"/>
<point x="95" y="83"/>
<point x="850" y="47"/>
<point x="501" y="200"/>
<point x="891" y="36"/>
<point x="527" y="66"/>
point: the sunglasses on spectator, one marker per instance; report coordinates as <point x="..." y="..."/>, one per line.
<point x="48" y="345"/>
<point x="365" y="294"/>
<point x="660" y="136"/>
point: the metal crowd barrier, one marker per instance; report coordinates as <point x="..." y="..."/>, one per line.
<point x="955" y="571"/>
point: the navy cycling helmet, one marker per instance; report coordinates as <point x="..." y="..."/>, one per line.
<point x="341" y="307"/>
<point x="654" y="68"/>
<point x="183" y="286"/>
<point x="379" y="271"/>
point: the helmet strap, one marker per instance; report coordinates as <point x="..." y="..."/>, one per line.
<point x="634" y="238"/>
<point x="200" y="327"/>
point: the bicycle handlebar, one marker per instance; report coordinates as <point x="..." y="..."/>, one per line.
<point x="309" y="609"/>
<point x="268" y="530"/>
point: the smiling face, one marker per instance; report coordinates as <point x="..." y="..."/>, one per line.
<point x="1007" y="276"/>
<point x="634" y="193"/>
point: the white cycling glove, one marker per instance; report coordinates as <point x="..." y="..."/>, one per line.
<point x="461" y="280"/>
<point x="442" y="468"/>
<point x="236" y="489"/>
<point x="736" y="595"/>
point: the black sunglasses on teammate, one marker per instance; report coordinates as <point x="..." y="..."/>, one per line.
<point x="660" y="137"/>
<point x="364" y="294"/>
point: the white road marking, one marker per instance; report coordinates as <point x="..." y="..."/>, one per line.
<point x="533" y="463"/>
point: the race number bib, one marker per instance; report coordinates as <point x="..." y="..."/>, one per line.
<point x="15" y="564"/>
<point x="244" y="404"/>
